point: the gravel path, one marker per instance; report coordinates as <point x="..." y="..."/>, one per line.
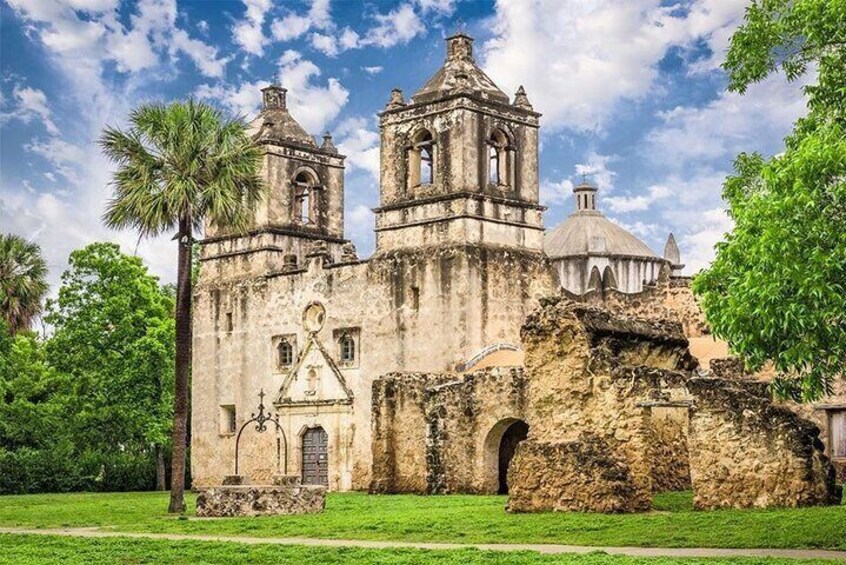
<point x="541" y="548"/>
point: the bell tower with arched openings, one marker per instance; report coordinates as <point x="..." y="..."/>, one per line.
<point x="459" y="162"/>
<point x="305" y="202"/>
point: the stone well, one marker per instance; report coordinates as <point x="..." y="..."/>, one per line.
<point x="235" y="498"/>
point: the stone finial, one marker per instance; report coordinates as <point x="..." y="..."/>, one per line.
<point x="521" y="100"/>
<point x="274" y="96"/>
<point x="396" y="100"/>
<point x="348" y="253"/>
<point x="459" y="47"/>
<point x="673" y="255"/>
<point x="327" y="143"/>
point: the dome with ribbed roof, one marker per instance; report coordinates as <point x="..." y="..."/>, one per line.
<point x="589" y="232"/>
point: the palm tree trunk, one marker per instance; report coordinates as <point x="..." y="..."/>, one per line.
<point x="183" y="366"/>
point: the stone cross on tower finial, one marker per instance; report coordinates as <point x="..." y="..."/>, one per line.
<point x="274" y="96"/>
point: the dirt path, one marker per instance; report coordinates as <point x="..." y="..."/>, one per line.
<point x="540" y="548"/>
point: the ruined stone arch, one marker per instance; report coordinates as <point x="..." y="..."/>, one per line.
<point x="499" y="448"/>
<point x="422" y="160"/>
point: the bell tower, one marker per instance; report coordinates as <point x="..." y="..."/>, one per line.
<point x="303" y="212"/>
<point x="459" y="162"/>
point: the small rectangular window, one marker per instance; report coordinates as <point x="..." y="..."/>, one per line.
<point x="229" y="325"/>
<point x="837" y="427"/>
<point x="228" y="422"/>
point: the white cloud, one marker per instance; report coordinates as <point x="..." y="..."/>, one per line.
<point x="293" y="25"/>
<point x="596" y="168"/>
<point x="243" y="100"/>
<point x="360" y="221"/>
<point x="248" y="33"/>
<point x="698" y="241"/>
<point x="311" y="104"/>
<point x="552" y="192"/>
<point x="360" y="144"/>
<point x="638" y="202"/>
<point x="579" y="59"/>
<point x="30" y="103"/>
<point x="729" y="124"/>
<point x="82" y="36"/>
<point x="443" y="7"/>
<point x="375" y="70"/>
<point x="399" y="26"/>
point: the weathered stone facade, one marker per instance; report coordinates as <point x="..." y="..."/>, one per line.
<point x="458" y="255"/>
<point x="460" y="261"/>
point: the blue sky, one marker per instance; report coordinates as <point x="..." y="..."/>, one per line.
<point x="630" y="90"/>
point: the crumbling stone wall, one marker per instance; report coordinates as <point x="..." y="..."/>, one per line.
<point x="746" y="451"/>
<point x="432" y="432"/>
<point x="583" y="475"/>
<point x="626" y="382"/>
<point x="668" y="298"/>
<point x="590" y="372"/>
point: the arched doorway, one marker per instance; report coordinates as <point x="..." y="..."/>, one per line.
<point x="514" y="434"/>
<point x="315" y="457"/>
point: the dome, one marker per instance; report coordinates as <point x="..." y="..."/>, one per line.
<point x="591" y="233"/>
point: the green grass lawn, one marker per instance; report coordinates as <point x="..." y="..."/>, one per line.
<point x="25" y="550"/>
<point x="459" y="519"/>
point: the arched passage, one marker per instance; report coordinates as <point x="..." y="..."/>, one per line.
<point x="514" y="434"/>
<point x="500" y="444"/>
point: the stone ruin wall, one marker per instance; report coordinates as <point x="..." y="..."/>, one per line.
<point x="668" y="298"/>
<point x="744" y="449"/>
<point x="433" y="433"/>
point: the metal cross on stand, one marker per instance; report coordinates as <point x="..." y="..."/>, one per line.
<point x="261" y="419"/>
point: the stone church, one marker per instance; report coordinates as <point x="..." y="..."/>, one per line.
<point x="461" y="259"/>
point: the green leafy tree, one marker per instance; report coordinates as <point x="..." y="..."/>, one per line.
<point x="23" y="284"/>
<point x="776" y="291"/>
<point x="180" y="165"/>
<point x="114" y="343"/>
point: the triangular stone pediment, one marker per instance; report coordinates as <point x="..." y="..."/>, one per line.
<point x="314" y="379"/>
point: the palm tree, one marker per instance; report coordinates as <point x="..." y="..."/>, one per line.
<point x="180" y="165"/>
<point x="22" y="281"/>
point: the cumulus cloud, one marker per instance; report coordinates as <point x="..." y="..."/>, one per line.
<point x="360" y="144"/>
<point x="638" y="202"/>
<point x="294" y="25"/>
<point x="727" y="125"/>
<point x="30" y="103"/>
<point x="312" y="102"/>
<point x="248" y="32"/>
<point x="555" y="192"/>
<point x="398" y="26"/>
<point x="579" y="59"/>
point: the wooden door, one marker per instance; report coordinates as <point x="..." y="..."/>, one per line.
<point x="315" y="457"/>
